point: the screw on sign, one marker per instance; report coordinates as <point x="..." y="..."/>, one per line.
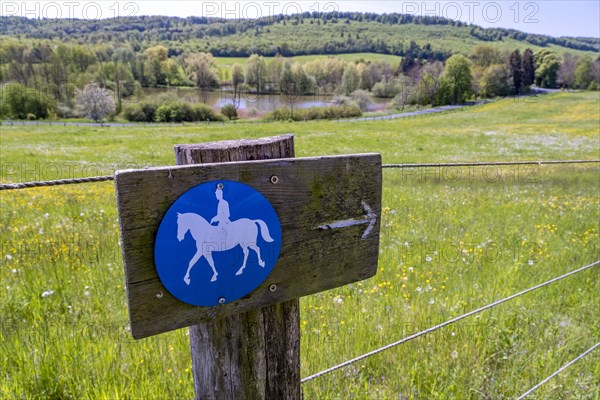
<point x="226" y="237"/>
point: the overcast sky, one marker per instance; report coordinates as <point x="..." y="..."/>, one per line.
<point x="551" y="17"/>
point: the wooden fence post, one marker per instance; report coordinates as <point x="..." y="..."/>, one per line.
<point x="255" y="355"/>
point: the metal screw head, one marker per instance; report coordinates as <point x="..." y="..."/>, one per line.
<point x="273" y="288"/>
<point x="222" y="300"/>
<point x="274" y="179"/>
<point x="219" y="186"/>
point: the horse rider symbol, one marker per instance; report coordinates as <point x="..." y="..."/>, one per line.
<point x="242" y="232"/>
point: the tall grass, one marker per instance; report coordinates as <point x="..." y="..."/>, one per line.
<point x="452" y="240"/>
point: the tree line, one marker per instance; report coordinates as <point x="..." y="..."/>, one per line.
<point x="203" y="34"/>
<point x="54" y="73"/>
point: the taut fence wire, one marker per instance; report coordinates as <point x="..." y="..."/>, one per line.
<point x="57" y="182"/>
<point x="487" y="163"/>
<point x="561" y="369"/>
<point x="94" y="179"/>
<point x="443" y="324"/>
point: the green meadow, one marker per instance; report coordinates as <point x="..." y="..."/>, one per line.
<point x="227" y="62"/>
<point x="452" y="240"/>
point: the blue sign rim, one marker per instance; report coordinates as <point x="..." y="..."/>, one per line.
<point x="251" y="213"/>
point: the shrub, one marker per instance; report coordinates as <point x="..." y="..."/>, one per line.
<point x="314" y="113"/>
<point x="229" y="111"/>
<point x="362" y="98"/>
<point x="164" y="113"/>
<point x="135" y="114"/>
<point x="21" y="101"/>
<point x="31" y="117"/>
<point x="172" y="111"/>
<point x="203" y="112"/>
<point x="4" y="109"/>
<point x="387" y="90"/>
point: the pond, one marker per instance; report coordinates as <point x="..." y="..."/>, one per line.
<point x="250" y="102"/>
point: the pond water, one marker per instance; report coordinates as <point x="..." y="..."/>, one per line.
<point x="249" y="102"/>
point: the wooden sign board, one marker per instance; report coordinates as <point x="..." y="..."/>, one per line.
<point x="329" y="209"/>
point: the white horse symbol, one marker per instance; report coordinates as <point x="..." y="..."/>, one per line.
<point x="243" y="232"/>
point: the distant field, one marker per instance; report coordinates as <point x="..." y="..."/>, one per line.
<point x="225" y="63"/>
<point x="452" y="241"/>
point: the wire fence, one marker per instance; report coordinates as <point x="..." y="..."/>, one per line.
<point x="443" y="324"/>
<point x="561" y="369"/>
<point x="487" y="163"/>
<point x="104" y="178"/>
<point x="57" y="182"/>
<point x="93" y="179"/>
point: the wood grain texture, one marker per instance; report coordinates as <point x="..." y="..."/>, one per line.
<point x="256" y="354"/>
<point x="310" y="192"/>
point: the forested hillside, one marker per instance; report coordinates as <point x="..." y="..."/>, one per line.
<point x="302" y="34"/>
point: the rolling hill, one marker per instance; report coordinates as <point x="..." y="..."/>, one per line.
<point x="302" y="34"/>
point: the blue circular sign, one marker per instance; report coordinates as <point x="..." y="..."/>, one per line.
<point x="217" y="242"/>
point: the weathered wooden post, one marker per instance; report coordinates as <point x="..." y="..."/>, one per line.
<point x="254" y="355"/>
<point x="228" y="247"/>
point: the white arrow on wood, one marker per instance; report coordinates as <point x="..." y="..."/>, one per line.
<point x="370" y="219"/>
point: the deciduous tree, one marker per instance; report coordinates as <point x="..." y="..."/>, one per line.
<point x="95" y="102"/>
<point x="515" y="64"/>
<point x="256" y="72"/>
<point x="457" y="81"/>
<point x="202" y="71"/>
<point x="547" y="68"/>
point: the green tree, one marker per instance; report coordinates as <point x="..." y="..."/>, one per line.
<point x="457" y="81"/>
<point x="369" y="74"/>
<point x="547" y="68"/>
<point x="155" y="56"/>
<point x="289" y="88"/>
<point x="495" y="81"/>
<point x="237" y="80"/>
<point x="304" y="83"/>
<point x="21" y="101"/>
<point x="274" y="71"/>
<point x="350" y="79"/>
<point x="484" y="55"/>
<point x="229" y="111"/>
<point x="202" y="70"/>
<point x="584" y="73"/>
<point x="256" y="72"/>
<point x="362" y="99"/>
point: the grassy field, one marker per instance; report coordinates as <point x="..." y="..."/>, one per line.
<point x="452" y="240"/>
<point x="227" y="62"/>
